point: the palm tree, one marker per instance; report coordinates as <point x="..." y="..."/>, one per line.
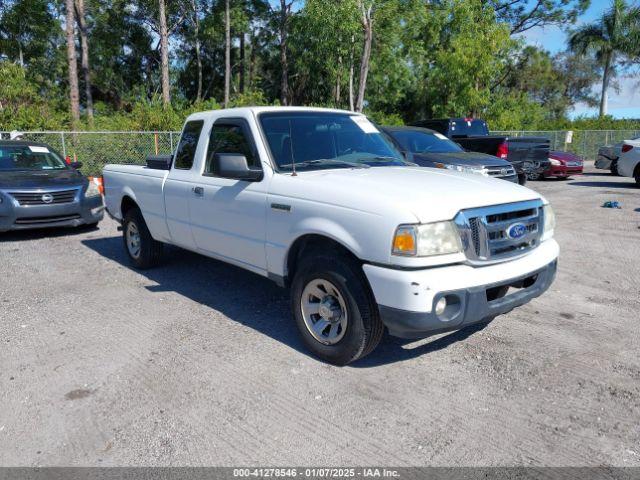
<point x="614" y="39"/>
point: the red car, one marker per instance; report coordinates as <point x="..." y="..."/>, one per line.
<point x="563" y="165"/>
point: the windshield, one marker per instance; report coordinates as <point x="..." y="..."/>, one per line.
<point x="468" y="127"/>
<point x="320" y="140"/>
<point x="424" y="142"/>
<point x="29" y="157"/>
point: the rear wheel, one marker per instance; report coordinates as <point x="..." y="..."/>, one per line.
<point x="143" y="250"/>
<point x="334" y="309"/>
<point x="636" y="175"/>
<point x="534" y="176"/>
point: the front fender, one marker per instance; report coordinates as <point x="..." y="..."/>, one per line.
<point x="277" y="254"/>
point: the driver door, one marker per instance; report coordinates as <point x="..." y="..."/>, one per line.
<point x="228" y="216"/>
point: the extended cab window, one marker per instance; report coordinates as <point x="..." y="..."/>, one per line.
<point x="188" y="144"/>
<point x="229" y="138"/>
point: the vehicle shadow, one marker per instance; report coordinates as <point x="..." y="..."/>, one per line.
<point x="600" y="174"/>
<point x="249" y="299"/>
<point x="40" y="233"/>
<point x="631" y="185"/>
<point x="392" y="349"/>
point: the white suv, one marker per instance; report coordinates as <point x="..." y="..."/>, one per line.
<point x="629" y="161"/>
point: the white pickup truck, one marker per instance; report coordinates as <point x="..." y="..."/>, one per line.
<point x="320" y="201"/>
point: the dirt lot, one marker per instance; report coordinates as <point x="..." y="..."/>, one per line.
<point x="198" y="363"/>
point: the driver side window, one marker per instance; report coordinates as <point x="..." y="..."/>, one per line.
<point x="228" y="138"/>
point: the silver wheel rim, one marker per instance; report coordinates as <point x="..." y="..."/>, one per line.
<point x="324" y="311"/>
<point x="133" y="239"/>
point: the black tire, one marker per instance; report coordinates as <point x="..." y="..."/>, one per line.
<point x="522" y="178"/>
<point x="614" y="168"/>
<point x="636" y="176"/>
<point x="150" y="250"/>
<point x="364" y="329"/>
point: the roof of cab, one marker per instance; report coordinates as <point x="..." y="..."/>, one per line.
<point x="407" y="128"/>
<point x="22" y="143"/>
<point x="256" y="110"/>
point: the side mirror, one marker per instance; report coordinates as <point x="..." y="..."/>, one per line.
<point x="235" y="165"/>
<point x="76" y="165"/>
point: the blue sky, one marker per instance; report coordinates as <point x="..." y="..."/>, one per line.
<point x="622" y="104"/>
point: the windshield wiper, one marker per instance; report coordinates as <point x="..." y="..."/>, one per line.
<point x="324" y="161"/>
<point x="382" y="158"/>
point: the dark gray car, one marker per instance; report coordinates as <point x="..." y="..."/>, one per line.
<point x="38" y="189"/>
<point x="428" y="148"/>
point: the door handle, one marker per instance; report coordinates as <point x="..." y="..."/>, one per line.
<point x="199" y="191"/>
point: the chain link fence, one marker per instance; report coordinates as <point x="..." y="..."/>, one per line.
<point x="584" y="143"/>
<point x="96" y="149"/>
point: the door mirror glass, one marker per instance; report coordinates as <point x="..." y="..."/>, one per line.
<point x="235" y="165"/>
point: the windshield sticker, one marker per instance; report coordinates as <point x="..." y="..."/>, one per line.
<point x="38" y="149"/>
<point x="365" y="125"/>
<point x="441" y="136"/>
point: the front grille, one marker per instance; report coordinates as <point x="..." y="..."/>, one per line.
<point x="36" y="198"/>
<point x="37" y="220"/>
<point x="488" y="233"/>
<point x="500" y="171"/>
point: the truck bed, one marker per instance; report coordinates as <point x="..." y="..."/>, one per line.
<point x="141" y="184"/>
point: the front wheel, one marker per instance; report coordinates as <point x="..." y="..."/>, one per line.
<point x="334" y="309"/>
<point x="143" y="250"/>
<point x="614" y="168"/>
<point x="522" y="178"/>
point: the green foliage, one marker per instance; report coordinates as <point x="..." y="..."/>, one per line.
<point x="514" y="111"/>
<point x="382" y="118"/>
<point x="522" y="15"/>
<point x="21" y="105"/>
<point x="428" y="58"/>
<point x="469" y="54"/>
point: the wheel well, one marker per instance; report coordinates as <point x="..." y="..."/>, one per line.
<point x="127" y="204"/>
<point x="306" y="245"/>
<point x="636" y="171"/>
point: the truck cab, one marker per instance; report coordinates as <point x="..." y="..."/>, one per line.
<point x="321" y="202"/>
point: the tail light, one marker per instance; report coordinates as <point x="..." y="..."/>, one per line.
<point x="626" y="148"/>
<point x="503" y="150"/>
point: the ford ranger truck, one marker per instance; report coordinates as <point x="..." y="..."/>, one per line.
<point x="321" y="202"/>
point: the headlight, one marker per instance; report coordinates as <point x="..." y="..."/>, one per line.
<point x="92" y="190"/>
<point x="549" y="222"/>
<point x="437" y="238"/>
<point x="555" y="162"/>
<point x="464" y="168"/>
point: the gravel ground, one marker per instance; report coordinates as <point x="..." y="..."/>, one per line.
<point x="198" y="363"/>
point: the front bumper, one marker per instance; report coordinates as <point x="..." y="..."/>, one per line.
<point x="603" y="163"/>
<point x="406" y="299"/>
<point x="563" y="171"/>
<point x="82" y="211"/>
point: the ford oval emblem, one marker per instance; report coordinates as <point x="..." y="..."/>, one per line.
<point x="517" y="230"/>
<point x="47" y="198"/>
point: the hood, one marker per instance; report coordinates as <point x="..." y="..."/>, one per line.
<point x="460" y="158"/>
<point x="430" y="194"/>
<point x="41" y="179"/>
<point x="564" y="156"/>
